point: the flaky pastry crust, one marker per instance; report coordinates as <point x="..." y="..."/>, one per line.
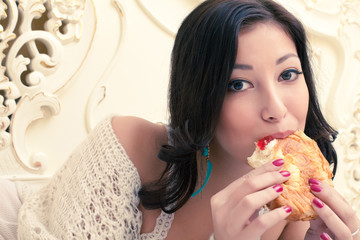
<point x="304" y="160"/>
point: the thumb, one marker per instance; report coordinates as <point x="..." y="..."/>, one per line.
<point x="317" y="227"/>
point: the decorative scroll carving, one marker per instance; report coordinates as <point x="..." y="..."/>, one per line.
<point x="30" y="109"/>
<point x="33" y="38"/>
<point x="348" y="146"/>
<point x="40" y="65"/>
<point x="162" y="24"/>
<point x="69" y="13"/>
<point x="98" y="94"/>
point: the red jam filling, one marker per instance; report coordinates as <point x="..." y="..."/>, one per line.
<point x="264" y="141"/>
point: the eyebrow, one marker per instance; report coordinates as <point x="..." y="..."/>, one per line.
<point x="280" y="60"/>
<point x="243" y="67"/>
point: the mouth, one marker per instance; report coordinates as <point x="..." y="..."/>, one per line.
<point x="265" y="140"/>
<point x="281" y="134"/>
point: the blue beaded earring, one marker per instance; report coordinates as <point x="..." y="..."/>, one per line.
<point x="205" y="154"/>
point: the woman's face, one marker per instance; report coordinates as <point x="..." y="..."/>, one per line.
<point x="267" y="93"/>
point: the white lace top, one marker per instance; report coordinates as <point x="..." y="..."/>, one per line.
<point x="93" y="196"/>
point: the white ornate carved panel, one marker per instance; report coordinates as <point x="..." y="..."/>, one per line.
<point x="43" y="47"/>
<point x="66" y="64"/>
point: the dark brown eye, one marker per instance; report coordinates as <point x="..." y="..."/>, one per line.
<point x="239" y="85"/>
<point x="289" y="75"/>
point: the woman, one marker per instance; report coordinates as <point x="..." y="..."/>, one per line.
<point x="240" y="71"/>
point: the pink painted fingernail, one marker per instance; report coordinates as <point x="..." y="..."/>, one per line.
<point x="325" y="236"/>
<point x="287" y="209"/>
<point x="285" y="173"/>
<point x="314" y="181"/>
<point x="318" y="203"/>
<point x="278" y="188"/>
<point x="278" y="162"/>
<point x="315" y="188"/>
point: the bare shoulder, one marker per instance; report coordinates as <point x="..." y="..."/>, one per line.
<point x="129" y="129"/>
<point x="141" y="140"/>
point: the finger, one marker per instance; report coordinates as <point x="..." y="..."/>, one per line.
<point x="252" y="202"/>
<point x="264" y="222"/>
<point x="269" y="173"/>
<point x="275" y="165"/>
<point x="245" y="186"/>
<point x="223" y="212"/>
<point x="334" y="223"/>
<point x="317" y="226"/>
<point x="355" y="234"/>
<point x="325" y="236"/>
<point x="337" y="203"/>
<point x="323" y="185"/>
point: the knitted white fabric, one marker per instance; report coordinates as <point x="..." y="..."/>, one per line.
<point x="93" y="196"/>
<point x="9" y="206"/>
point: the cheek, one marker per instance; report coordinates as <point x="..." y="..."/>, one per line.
<point x="300" y="106"/>
<point x="305" y="103"/>
<point x="235" y="127"/>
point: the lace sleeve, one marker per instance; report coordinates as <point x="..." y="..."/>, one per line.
<point x="93" y="196"/>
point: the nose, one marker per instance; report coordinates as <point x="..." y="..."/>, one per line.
<point x="274" y="108"/>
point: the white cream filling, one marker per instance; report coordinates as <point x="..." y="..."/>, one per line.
<point x="260" y="157"/>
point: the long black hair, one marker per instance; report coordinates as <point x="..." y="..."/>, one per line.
<point x="203" y="58"/>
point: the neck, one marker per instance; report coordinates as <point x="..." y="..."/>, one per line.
<point x="225" y="170"/>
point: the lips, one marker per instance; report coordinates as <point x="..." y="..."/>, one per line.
<point x="265" y="140"/>
<point x="282" y="134"/>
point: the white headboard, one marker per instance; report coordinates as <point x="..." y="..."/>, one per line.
<point x="67" y="64"/>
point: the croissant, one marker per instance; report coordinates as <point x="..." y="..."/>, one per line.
<point x="304" y="160"/>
